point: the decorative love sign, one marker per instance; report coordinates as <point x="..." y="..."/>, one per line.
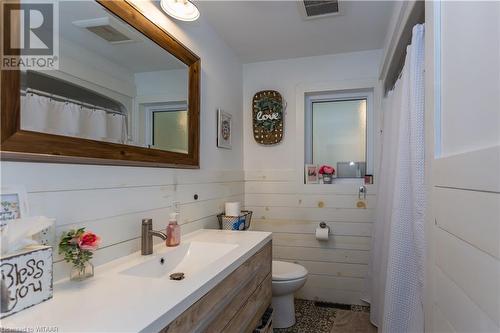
<point x="268" y="113"/>
<point x="26" y="279"/>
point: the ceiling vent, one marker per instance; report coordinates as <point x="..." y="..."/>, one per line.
<point x="319" y="8"/>
<point x="109" y="29"/>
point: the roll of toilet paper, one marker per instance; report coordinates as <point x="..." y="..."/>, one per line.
<point x="233" y="208"/>
<point x="322" y="234"/>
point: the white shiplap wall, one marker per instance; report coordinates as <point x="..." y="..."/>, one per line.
<point x="274" y="187"/>
<point x="112" y="201"/>
<point x="337" y="267"/>
<point x="463" y="157"/>
<point x="465" y="263"/>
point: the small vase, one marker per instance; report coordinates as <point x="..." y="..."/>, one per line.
<point x="82" y="272"/>
<point x="327" y="179"/>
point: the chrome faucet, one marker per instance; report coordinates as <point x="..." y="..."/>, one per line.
<point x="147" y="234"/>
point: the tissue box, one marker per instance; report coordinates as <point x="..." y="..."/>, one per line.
<point x="26" y="279"/>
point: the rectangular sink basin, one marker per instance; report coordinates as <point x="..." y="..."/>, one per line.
<point x="188" y="258"/>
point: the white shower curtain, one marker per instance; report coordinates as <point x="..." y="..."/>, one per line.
<point x="398" y="251"/>
<point x="43" y="114"/>
<point x="93" y="124"/>
<point x="116" y="128"/>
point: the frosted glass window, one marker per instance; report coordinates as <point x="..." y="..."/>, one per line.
<point x="339" y="135"/>
<point x="170" y="131"/>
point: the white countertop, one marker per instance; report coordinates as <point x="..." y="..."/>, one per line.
<point x="114" y="302"/>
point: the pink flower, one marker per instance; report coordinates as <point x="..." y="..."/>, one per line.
<point x="89" y="241"/>
<point x="326" y="169"/>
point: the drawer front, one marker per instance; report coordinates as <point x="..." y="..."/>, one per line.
<point x="229" y="300"/>
<point x="249" y="316"/>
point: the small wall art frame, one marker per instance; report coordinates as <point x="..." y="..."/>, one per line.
<point x="224" y="129"/>
<point x="13" y="204"/>
<point x="311" y="174"/>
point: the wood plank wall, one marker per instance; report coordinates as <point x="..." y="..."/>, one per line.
<point x="463" y="156"/>
<point x="112" y="201"/>
<point x="337" y="267"/>
<point x="466" y="238"/>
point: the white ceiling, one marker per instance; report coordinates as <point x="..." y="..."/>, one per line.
<point x="140" y="56"/>
<point x="269" y="30"/>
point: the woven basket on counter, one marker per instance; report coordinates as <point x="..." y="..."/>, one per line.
<point x="241" y="222"/>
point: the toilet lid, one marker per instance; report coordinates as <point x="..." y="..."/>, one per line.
<point x="287" y="271"/>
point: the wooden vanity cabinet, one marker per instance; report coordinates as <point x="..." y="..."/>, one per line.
<point x="236" y="304"/>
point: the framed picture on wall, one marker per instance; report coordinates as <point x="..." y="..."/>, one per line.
<point x="311" y="172"/>
<point x="224" y="129"/>
<point x="13" y="204"/>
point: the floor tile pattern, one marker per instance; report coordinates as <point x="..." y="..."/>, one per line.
<point x="321" y="317"/>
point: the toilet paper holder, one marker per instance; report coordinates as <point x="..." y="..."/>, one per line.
<point x="323" y="225"/>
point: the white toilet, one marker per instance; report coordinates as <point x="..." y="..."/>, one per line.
<point x="287" y="279"/>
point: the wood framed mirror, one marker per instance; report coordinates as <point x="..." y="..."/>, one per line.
<point x="125" y="92"/>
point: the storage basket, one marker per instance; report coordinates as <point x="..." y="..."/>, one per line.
<point x="241" y="222"/>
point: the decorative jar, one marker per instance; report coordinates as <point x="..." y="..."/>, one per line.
<point x="327" y="179"/>
<point x="82" y="272"/>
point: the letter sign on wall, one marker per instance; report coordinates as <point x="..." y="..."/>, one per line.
<point x="26" y="279"/>
<point x="267" y="115"/>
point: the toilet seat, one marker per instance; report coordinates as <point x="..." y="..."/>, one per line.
<point x="285" y="271"/>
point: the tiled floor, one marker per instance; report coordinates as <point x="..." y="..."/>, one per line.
<point x="348" y="321"/>
<point x="328" y="318"/>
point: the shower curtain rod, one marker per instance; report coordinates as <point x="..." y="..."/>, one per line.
<point x="65" y="99"/>
<point x="412" y="13"/>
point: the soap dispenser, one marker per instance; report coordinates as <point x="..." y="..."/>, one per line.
<point x="173" y="231"/>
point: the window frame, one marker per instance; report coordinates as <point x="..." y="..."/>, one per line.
<point x="340" y="95"/>
<point x="149" y="113"/>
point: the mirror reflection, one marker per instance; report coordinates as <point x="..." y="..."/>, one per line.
<point x="113" y="84"/>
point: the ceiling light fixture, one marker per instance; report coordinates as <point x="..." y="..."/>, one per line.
<point x="183" y="10"/>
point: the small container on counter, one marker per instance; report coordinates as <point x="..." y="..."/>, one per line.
<point x="173" y="231"/>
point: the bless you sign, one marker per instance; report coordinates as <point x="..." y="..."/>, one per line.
<point x="267" y="116"/>
<point x="26" y="279"/>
